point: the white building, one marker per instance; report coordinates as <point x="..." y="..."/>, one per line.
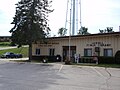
<point x="105" y="44"/>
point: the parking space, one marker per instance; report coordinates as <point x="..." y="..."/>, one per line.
<point x="31" y="76"/>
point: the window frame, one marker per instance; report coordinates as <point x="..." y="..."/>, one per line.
<point x="104" y="52"/>
<point x="37" y="51"/>
<point x="86" y="49"/>
<point x="51" y="51"/>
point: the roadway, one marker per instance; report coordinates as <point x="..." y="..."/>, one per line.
<point x="3" y="48"/>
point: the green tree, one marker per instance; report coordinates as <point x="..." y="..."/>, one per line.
<point x="107" y="30"/>
<point x="83" y="31"/>
<point x="30" y="22"/>
<point x="101" y="31"/>
<point x="62" y="31"/>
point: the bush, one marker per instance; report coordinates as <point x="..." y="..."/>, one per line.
<point x="67" y="61"/>
<point x="4" y="44"/>
<point x="106" y="60"/>
<point x="101" y="60"/>
<point x="117" y="57"/>
<point x="49" y="58"/>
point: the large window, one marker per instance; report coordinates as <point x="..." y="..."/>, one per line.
<point x="108" y="52"/>
<point x="88" y="52"/>
<point x="51" y="51"/>
<point x="37" y="51"/>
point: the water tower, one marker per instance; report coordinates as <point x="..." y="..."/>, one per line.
<point x="73" y="16"/>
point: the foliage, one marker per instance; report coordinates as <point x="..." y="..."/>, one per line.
<point x="62" y="31"/>
<point x="83" y="31"/>
<point x="99" y="65"/>
<point x="49" y="58"/>
<point x="30" y="22"/>
<point x="106" y="60"/>
<point x="101" y="60"/>
<point x="117" y="57"/>
<point x="109" y="65"/>
<point x="107" y="30"/>
<point x="3" y="44"/>
<point x="22" y="50"/>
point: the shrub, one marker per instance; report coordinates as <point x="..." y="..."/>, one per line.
<point x="117" y="57"/>
<point x="106" y="60"/>
<point x="49" y="58"/>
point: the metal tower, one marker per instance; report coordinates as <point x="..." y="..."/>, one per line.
<point x="74" y="12"/>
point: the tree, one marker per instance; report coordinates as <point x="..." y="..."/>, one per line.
<point x="117" y="57"/>
<point x="30" y="22"/>
<point x="62" y="31"/>
<point x="107" y="30"/>
<point x="83" y="31"/>
<point x="101" y="31"/>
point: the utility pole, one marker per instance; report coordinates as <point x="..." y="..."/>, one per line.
<point x="70" y="37"/>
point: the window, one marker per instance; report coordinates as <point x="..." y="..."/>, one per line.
<point x="88" y="52"/>
<point x="37" y="51"/>
<point x="51" y="51"/>
<point x="108" y="52"/>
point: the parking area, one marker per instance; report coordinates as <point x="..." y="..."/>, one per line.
<point x="56" y="76"/>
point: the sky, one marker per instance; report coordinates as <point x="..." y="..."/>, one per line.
<point x="95" y="15"/>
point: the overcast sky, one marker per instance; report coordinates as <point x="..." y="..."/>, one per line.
<point x="96" y="14"/>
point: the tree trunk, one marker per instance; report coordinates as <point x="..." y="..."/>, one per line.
<point x="30" y="52"/>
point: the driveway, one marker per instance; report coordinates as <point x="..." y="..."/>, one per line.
<point x="10" y="59"/>
<point x="4" y="48"/>
<point x="31" y="76"/>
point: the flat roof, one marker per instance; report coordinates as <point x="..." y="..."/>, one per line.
<point x="5" y="36"/>
<point x="88" y="35"/>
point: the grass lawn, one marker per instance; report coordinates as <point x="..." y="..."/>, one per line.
<point x="101" y="65"/>
<point x="109" y="65"/>
<point x="22" y="50"/>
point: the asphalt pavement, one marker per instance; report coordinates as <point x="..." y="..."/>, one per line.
<point x="57" y="76"/>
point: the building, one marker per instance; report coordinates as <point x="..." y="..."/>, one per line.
<point x="103" y="44"/>
<point x="5" y="38"/>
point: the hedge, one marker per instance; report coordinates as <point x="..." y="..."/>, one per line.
<point x="106" y="60"/>
<point x="49" y="58"/>
<point x="101" y="59"/>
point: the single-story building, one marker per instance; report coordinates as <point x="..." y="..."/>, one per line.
<point x="5" y="38"/>
<point x="103" y="44"/>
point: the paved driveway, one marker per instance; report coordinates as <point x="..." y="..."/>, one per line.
<point x="12" y="59"/>
<point x="27" y="76"/>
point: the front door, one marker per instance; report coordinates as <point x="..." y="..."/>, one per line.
<point x="66" y="52"/>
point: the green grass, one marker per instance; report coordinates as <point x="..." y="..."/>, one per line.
<point x="100" y="65"/>
<point x="109" y="65"/>
<point x="22" y="50"/>
<point x="4" y="44"/>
